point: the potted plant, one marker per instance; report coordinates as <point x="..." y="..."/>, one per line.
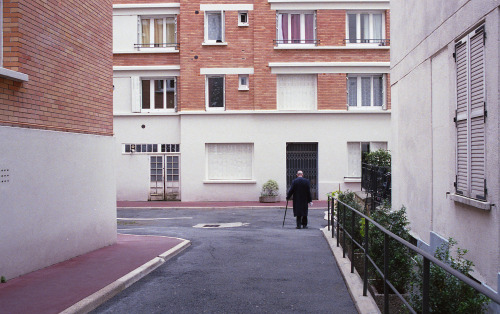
<point x="269" y="192"/>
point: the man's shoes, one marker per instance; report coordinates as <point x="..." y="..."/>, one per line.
<point x="298" y="227"/>
<point x="304" y="227"/>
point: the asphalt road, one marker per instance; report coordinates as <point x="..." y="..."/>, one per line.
<point x="244" y="262"/>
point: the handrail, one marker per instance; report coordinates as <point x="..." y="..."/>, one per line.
<point x="158" y="45"/>
<point x="380" y="42"/>
<point x="427" y="258"/>
<point x="296" y="42"/>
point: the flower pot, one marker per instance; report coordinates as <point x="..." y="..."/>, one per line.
<point x="269" y="199"/>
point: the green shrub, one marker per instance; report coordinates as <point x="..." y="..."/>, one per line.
<point x="270" y="188"/>
<point x="400" y="257"/>
<point x="379" y="157"/>
<point x="447" y="294"/>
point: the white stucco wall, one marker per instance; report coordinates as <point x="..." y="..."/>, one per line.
<point x="269" y="132"/>
<point x="59" y="201"/>
<point x="424" y="134"/>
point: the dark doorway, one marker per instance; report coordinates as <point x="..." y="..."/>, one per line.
<point x="302" y="156"/>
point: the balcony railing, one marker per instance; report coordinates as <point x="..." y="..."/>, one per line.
<point x="376" y="181"/>
<point x="158" y="45"/>
<point x="345" y="220"/>
<point x="296" y="42"/>
<point x="380" y="42"/>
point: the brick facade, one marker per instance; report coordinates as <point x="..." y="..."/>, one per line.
<point x="66" y="50"/>
<point x="253" y="46"/>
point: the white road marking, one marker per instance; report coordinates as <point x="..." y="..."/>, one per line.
<point x="172" y="218"/>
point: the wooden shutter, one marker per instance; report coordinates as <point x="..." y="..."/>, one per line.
<point x="470" y="115"/>
<point x="477" y="107"/>
<point x="462" y="57"/>
<point x="136" y="94"/>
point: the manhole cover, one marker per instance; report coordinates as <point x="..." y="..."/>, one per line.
<point x="211" y="226"/>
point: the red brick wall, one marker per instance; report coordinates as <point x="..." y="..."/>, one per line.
<point x="252" y="47"/>
<point x="66" y="50"/>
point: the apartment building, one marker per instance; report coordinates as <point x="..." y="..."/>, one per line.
<point x="445" y="80"/>
<point x="214" y="98"/>
<point x="57" y="187"/>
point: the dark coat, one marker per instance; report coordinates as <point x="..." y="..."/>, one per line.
<point x="301" y="192"/>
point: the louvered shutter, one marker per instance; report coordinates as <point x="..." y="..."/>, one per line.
<point x="477" y="99"/>
<point x="136" y="94"/>
<point x="461" y="118"/>
<point x="470" y="115"/>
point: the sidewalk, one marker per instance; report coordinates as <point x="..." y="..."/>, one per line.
<point x="213" y="205"/>
<point x="84" y="282"/>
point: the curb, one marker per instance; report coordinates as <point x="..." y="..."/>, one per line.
<point x="364" y="304"/>
<point x="212" y="208"/>
<point x="94" y="300"/>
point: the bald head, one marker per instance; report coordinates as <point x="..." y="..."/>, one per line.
<point x="300" y="173"/>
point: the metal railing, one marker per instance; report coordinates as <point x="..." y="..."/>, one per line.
<point x="376" y="181"/>
<point x="339" y="222"/>
<point x="158" y="45"/>
<point x="296" y="42"/>
<point x="380" y="42"/>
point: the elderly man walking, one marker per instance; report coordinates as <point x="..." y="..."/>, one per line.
<point x="301" y="192"/>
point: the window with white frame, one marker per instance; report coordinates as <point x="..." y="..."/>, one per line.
<point x="229" y="161"/>
<point x="243" y="82"/>
<point x="151" y="148"/>
<point x="214" y="92"/>
<point x="158" y="94"/>
<point x="366" y="27"/>
<point x="158" y="32"/>
<point x="296" y="92"/>
<point x="365" y="90"/>
<point x="242" y="18"/>
<point x="296" y="27"/>
<point x="470" y="116"/>
<point x="356" y="152"/>
<point x="214" y="27"/>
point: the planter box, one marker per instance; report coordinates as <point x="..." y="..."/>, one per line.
<point x="269" y="199"/>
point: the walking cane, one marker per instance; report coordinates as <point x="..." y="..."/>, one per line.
<point x="286" y="207"/>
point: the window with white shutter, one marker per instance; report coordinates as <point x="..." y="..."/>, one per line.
<point x="297" y="92"/>
<point x="470" y="116"/>
<point x="229" y="161"/>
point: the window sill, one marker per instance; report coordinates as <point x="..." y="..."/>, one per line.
<point x="353" y="46"/>
<point x="365" y="108"/>
<point x="471" y="202"/>
<point x="243" y="88"/>
<point x="243" y="25"/>
<point x="214" y="44"/>
<point x="13" y="75"/>
<point x="230" y="182"/>
<point x="148" y="50"/>
<point x="352" y="179"/>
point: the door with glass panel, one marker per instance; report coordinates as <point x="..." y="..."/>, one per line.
<point x="165" y="178"/>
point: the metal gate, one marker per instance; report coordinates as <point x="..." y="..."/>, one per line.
<point x="302" y="156"/>
<point x="164" y="178"/>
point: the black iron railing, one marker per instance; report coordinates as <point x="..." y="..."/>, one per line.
<point x="296" y="42"/>
<point x="380" y="42"/>
<point x="158" y="45"/>
<point x="339" y="222"/>
<point x="376" y="181"/>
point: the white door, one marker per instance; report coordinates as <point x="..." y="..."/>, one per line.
<point x="164" y="178"/>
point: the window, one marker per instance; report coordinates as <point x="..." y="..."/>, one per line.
<point x="297" y="92"/>
<point x="151" y="148"/>
<point x="356" y="152"/>
<point x="214" y="27"/>
<point x="243" y="18"/>
<point x="296" y="28"/>
<point x="159" y="32"/>
<point x="365" y="27"/>
<point x="215" y="92"/>
<point x="365" y="90"/>
<point x="158" y="94"/>
<point x="229" y="161"/>
<point x="243" y="82"/>
<point x="470" y="116"/>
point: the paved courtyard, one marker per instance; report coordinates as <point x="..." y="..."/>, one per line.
<point x="240" y="261"/>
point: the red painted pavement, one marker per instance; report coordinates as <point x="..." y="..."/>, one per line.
<point x="57" y="287"/>
<point x="176" y="204"/>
